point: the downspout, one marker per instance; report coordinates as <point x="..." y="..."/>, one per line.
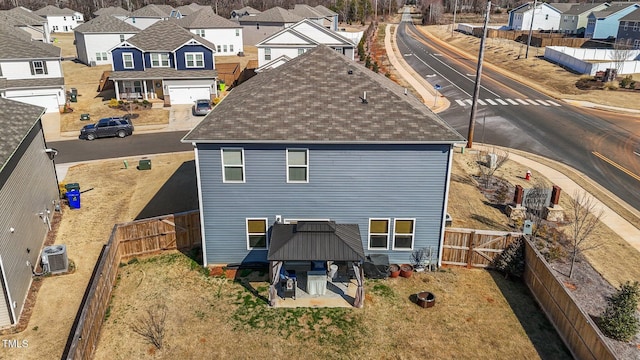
<point x="201" y="204"/>
<point x="444" y="206"/>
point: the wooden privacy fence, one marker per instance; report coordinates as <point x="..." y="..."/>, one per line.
<point x="576" y="328"/>
<point x="137" y="238"/>
<point x="474" y="248"/>
<point x="538" y="39"/>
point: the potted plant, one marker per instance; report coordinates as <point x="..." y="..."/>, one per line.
<point x="419" y="259"/>
<point x="406" y="270"/>
<point x="394" y="270"/>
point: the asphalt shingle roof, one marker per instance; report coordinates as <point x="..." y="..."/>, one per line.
<point x="561" y="7"/>
<point x="205" y="18"/>
<point x="13" y="47"/>
<point x="248" y="10"/>
<point x="33" y="83"/>
<point x="16" y="120"/>
<point x="163" y="73"/>
<point x="153" y="11"/>
<point x="306" y="11"/>
<point x="111" y="10"/>
<point x="190" y="9"/>
<point x="325" y="11"/>
<point x="314" y="98"/>
<point x="632" y="16"/>
<point x="106" y="24"/>
<point x="273" y="15"/>
<point x="26" y="16"/>
<point x="613" y="8"/>
<point x="165" y="36"/>
<point x="12" y="26"/>
<point x="577" y="9"/>
<point x="51" y="10"/>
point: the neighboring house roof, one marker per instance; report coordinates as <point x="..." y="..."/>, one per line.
<point x="12" y="26"/>
<point x="613" y="8"/>
<point x="26" y="16"/>
<point x="16" y="120"/>
<point x="526" y="7"/>
<point x="306" y="11"/>
<point x="578" y="9"/>
<point x="273" y="63"/>
<point x="190" y="9"/>
<point x="106" y="24"/>
<point x="561" y="7"/>
<point x="165" y="36"/>
<point x="13" y="47"/>
<point x="34" y="83"/>
<point x="301" y="32"/>
<point x="325" y="11"/>
<point x="317" y="97"/>
<point x="274" y="15"/>
<point x="163" y="73"/>
<point x="632" y="16"/>
<point x="51" y="10"/>
<point x="153" y="11"/>
<point x="315" y="240"/>
<point x="247" y="10"/>
<point x="111" y="10"/>
<point x="205" y="18"/>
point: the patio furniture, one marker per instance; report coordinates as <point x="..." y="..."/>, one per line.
<point x="317" y="282"/>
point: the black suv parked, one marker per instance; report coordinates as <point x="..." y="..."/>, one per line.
<point x="107" y="127"/>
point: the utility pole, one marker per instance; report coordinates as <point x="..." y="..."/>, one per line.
<point x="455" y="8"/>
<point x="476" y="89"/>
<point x="533" y="15"/>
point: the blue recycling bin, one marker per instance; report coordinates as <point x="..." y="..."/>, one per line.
<point x="73" y="196"/>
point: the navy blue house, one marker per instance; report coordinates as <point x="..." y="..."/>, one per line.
<point x="164" y="62"/>
<point x="321" y="138"/>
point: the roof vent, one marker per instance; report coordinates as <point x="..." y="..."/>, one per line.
<point x="405" y="91"/>
<point x="364" y="98"/>
<point x="350" y="71"/>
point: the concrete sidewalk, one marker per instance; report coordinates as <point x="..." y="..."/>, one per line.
<point x="614" y="221"/>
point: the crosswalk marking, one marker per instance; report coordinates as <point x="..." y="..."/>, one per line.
<point x="506" y="102"/>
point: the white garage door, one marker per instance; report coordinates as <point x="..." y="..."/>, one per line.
<point x="48" y="101"/>
<point x="187" y="95"/>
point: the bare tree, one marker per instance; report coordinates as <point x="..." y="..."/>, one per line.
<point x="536" y="202"/>
<point x="489" y="162"/>
<point x="151" y="326"/>
<point x="584" y="217"/>
<point x="622" y="50"/>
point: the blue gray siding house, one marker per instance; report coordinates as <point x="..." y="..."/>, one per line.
<point x="338" y="142"/>
<point x="164" y="62"/>
<point x="604" y="24"/>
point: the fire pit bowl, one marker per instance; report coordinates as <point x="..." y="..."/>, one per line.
<point x="425" y="299"/>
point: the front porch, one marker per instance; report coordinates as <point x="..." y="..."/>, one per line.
<point x="139" y="90"/>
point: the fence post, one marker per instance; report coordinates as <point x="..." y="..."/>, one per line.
<point x="472" y="239"/>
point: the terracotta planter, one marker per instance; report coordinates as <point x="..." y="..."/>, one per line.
<point x="406" y="270"/>
<point x="426" y="299"/>
<point x="395" y="270"/>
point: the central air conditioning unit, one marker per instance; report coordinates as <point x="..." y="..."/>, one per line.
<point x="54" y="259"/>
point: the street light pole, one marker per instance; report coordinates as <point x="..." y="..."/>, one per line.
<point x="533" y="16"/>
<point x="455" y="8"/>
<point x="476" y="89"/>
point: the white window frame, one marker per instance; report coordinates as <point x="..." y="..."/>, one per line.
<point x="121" y="37"/>
<point x="300" y="51"/>
<point x="224" y="48"/>
<point x="306" y="166"/>
<point x="224" y="166"/>
<point x="413" y="233"/>
<point x="194" y="60"/>
<point x="124" y="61"/>
<point x="636" y="44"/>
<point x="200" y="32"/>
<point x="266" y="233"/>
<point x="237" y="32"/>
<point x="635" y="26"/>
<point x="230" y="48"/>
<point x="267" y="54"/>
<point x="624" y="25"/>
<point x="158" y="57"/>
<point x="388" y="234"/>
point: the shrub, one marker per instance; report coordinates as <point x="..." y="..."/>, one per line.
<point x="216" y="101"/>
<point x="626" y="81"/>
<point x="113" y="103"/>
<point x="619" y="321"/>
<point x="611" y="85"/>
<point x="511" y="261"/>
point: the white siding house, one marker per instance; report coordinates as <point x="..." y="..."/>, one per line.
<point x="31" y="72"/>
<point x="545" y="16"/>
<point x="149" y="15"/>
<point x="224" y="33"/>
<point x="60" y="20"/>
<point x="96" y="37"/>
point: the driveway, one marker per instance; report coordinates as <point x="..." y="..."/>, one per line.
<point x="181" y="118"/>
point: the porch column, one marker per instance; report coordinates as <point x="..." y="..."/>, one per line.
<point x="274" y="268"/>
<point x="358" y="301"/>
<point x="144" y="88"/>
<point x="115" y="83"/>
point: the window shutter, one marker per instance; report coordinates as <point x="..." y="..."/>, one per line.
<point x="44" y="66"/>
<point x="33" y="72"/>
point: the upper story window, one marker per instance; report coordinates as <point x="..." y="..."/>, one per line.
<point x="546" y="16"/>
<point x="64" y="18"/>
<point x="127" y="60"/>
<point x="636" y="44"/>
<point x="256" y="234"/>
<point x="233" y="165"/>
<point x="219" y="48"/>
<point x="237" y="32"/>
<point x="121" y="37"/>
<point x="159" y="60"/>
<point x="230" y="47"/>
<point x="298" y="165"/>
<point x="267" y="54"/>
<point x="224" y="48"/>
<point x="200" y="32"/>
<point x="194" y="60"/>
<point x="403" y="233"/>
<point x="300" y="52"/>
<point x="379" y="234"/>
<point x="38" y="67"/>
<point x="635" y="26"/>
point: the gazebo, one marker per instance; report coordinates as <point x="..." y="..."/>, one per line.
<point x="315" y="241"/>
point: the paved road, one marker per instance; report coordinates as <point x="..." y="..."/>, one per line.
<point x="137" y="144"/>
<point x="513" y="115"/>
